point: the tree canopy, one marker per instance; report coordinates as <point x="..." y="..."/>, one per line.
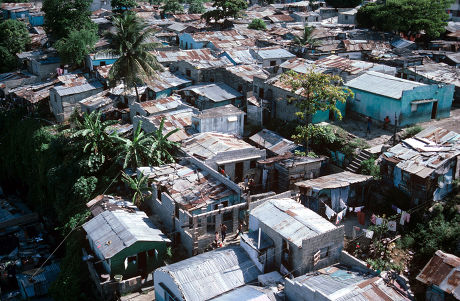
<point x="77" y="45"/>
<point x="314" y="92"/>
<point x="196" y="7"/>
<point x="7" y="60"/>
<point x="119" y="6"/>
<point x="257" y="24"/>
<point x="173" y="7"/>
<point x="15" y="36"/>
<point x="343" y="3"/>
<point x="225" y="9"/>
<point x="61" y="16"/>
<point x="306" y="38"/>
<point x="410" y="17"/>
<point x="136" y="64"/>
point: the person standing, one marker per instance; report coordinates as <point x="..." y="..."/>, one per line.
<point x="240" y="230"/>
<point x="386" y="122"/>
<point x="216" y="239"/>
<point x="223" y="231"/>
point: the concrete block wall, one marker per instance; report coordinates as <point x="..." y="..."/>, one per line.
<point x="332" y="239"/>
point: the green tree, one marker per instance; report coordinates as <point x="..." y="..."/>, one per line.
<point x="343" y="3"/>
<point x="8" y="61"/>
<point x="196" y="7"/>
<point x="306" y="38"/>
<point x="163" y="147"/>
<point x="257" y="24"/>
<point x="76" y="46"/>
<point x="315" y="92"/>
<point x="225" y="9"/>
<point x="61" y="16"/>
<point x="95" y="134"/>
<point x="406" y="16"/>
<point x="119" y="6"/>
<point x="15" y="36"/>
<point x="138" y="185"/>
<point x="136" y="64"/>
<point x="173" y="7"/>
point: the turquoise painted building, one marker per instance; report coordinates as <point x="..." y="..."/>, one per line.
<point x="377" y="95"/>
<point x="186" y="41"/>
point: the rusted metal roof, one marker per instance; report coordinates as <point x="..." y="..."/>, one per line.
<point x="280" y="18"/>
<point x="247" y="72"/>
<point x="185" y="55"/>
<point x="180" y="119"/>
<point x="443" y="270"/>
<point x="364" y="45"/>
<point x="162" y="104"/>
<point x="187" y="17"/>
<point x="187" y="184"/>
<point x="167" y="80"/>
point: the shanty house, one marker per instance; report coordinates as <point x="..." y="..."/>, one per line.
<point x="205" y="276"/>
<point x="166" y="58"/>
<point x="156" y="106"/>
<point x="271" y="57"/>
<point x="43" y="63"/>
<point x="211" y="95"/>
<point x="126" y="242"/>
<point x="192" y="200"/>
<point x="181" y="119"/>
<point x="304" y="241"/>
<point x="227" y="119"/>
<point x="64" y="99"/>
<point x="440" y="275"/>
<point x="165" y="84"/>
<point x="224" y="153"/>
<point x="424" y="166"/>
<point x="349" y="279"/>
<point x="377" y="95"/>
<point x="275" y="144"/>
<point x="347" y="16"/>
<point x="199" y="71"/>
<point x="278" y="101"/>
<point x="333" y="190"/>
<point x="16" y="10"/>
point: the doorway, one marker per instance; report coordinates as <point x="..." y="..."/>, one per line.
<point x="238" y="172"/>
<point x="331" y="115"/>
<point x="434" y="110"/>
<point x="142" y="264"/>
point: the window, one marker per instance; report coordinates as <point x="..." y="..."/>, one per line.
<point x="252" y="164"/>
<point x="188" y="72"/>
<point x="151" y="253"/>
<point x="132" y="259"/>
<point x="324" y="252"/>
<point x="346" y="17"/>
<point x="272" y="63"/>
<point x="413" y="107"/>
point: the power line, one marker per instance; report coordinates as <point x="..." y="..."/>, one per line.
<point x="77" y="225"/>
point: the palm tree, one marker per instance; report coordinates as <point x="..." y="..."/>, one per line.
<point x="138" y="151"/>
<point x="307" y="38"/>
<point x="135" y="64"/>
<point x="95" y="133"/>
<point x="139" y="185"/>
<point x="162" y="145"/>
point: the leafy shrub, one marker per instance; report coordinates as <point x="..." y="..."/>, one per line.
<point x="257" y="24"/>
<point x="368" y="167"/>
<point x="412" y="131"/>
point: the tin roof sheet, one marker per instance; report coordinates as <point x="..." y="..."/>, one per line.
<point x="247" y="72"/>
<point x="227" y="110"/>
<point x="337" y="180"/>
<point x="248" y="293"/>
<point x="291" y="220"/>
<point x="162" y="104"/>
<point x="216" y="92"/>
<point x="179" y="119"/>
<point x="209" y="144"/>
<point x="438" y="72"/>
<point x="184" y="55"/>
<point x="273" y="142"/>
<point x="187" y="184"/>
<point x="113" y="231"/>
<point x="443" y="270"/>
<point x="382" y="84"/>
<point x="213" y="273"/>
<point x="274" y="53"/>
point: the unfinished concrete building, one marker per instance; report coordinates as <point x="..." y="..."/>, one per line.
<point x="193" y="200"/>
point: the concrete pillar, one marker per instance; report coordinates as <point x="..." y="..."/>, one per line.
<point x="204" y="225"/>
<point x="235" y="219"/>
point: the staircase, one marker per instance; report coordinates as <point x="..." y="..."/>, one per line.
<point x="356" y="163"/>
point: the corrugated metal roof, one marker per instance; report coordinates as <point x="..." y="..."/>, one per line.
<point x="187" y="184"/>
<point x="178" y="119"/>
<point x="247" y="72"/>
<point x="213" y="273"/>
<point x="84" y="87"/>
<point x="241" y="56"/>
<point x="113" y="231"/>
<point x="273" y="142"/>
<point x="162" y="104"/>
<point x="185" y="55"/>
<point x="425" y="152"/>
<point x="291" y="220"/>
<point x="337" y="180"/>
<point x="216" y="92"/>
<point x="228" y="110"/>
<point x="443" y="270"/>
<point x="209" y="144"/>
<point x="343" y="283"/>
<point x="382" y="84"/>
<point x="248" y="293"/>
<point x="274" y="53"/>
<point x="167" y="80"/>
